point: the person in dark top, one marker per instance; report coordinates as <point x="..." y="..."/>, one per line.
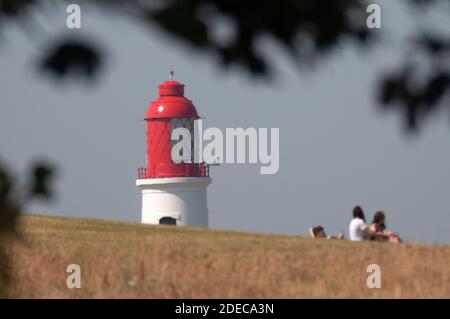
<point x="378" y="225"/>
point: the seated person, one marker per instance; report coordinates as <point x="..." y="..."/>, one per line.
<point x="319" y="232"/>
<point x="358" y="230"/>
<point x="378" y="226"/>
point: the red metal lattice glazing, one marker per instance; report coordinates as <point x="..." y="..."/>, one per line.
<point x="170" y="110"/>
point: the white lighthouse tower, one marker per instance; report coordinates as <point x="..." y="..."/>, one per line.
<point x="172" y="193"/>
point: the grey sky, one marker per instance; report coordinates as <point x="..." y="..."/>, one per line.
<point x="336" y="149"/>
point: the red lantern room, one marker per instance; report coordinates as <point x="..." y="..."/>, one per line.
<point x="169" y="111"/>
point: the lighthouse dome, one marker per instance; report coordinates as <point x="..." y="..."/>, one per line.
<point x="171" y="103"/>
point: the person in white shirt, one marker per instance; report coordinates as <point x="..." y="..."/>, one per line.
<point x="357" y="229"/>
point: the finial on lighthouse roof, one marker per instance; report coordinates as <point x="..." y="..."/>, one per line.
<point x="171" y="87"/>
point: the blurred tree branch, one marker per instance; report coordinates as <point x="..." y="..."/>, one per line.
<point x="307" y="29"/>
<point x="419" y="90"/>
<point x="12" y="199"/>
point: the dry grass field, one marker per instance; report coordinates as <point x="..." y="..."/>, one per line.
<point x="122" y="260"/>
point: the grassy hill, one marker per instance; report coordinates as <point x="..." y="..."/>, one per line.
<point x="120" y="259"/>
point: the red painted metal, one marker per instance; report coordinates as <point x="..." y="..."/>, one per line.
<point x="174" y="170"/>
<point x="171" y="104"/>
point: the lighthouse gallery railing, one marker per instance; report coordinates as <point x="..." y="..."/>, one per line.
<point x="166" y="170"/>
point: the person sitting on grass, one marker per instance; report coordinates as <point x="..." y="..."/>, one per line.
<point x="319" y="232"/>
<point x="379" y="226"/>
<point x="358" y="230"/>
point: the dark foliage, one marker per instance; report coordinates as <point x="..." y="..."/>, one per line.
<point x="72" y="57"/>
<point x="419" y="94"/>
<point x="12" y="200"/>
<point x="306" y="29"/>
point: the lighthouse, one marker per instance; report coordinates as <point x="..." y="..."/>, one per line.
<point x="172" y="193"/>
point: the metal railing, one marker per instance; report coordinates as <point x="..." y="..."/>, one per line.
<point x="173" y="170"/>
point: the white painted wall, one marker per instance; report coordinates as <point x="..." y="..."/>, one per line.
<point x="183" y="198"/>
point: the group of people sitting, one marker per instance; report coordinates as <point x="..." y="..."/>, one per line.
<point x="359" y="231"/>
